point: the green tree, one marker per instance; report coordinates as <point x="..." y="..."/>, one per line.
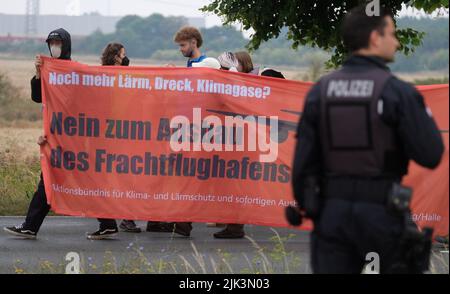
<point x="224" y="38"/>
<point x="309" y="22"/>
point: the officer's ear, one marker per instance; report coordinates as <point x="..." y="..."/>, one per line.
<point x="374" y="39"/>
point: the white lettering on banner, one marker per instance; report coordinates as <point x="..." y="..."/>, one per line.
<point x="210" y="86"/>
<point x="140" y="81"/>
<point x="130" y="82"/>
<point x="64" y="79"/>
<point x="173" y="85"/>
<point x="98" y="80"/>
<point x="352" y="88"/>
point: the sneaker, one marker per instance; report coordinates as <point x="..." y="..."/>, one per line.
<point x="129" y="226"/>
<point x="183" y="229"/>
<point x="229" y="234"/>
<point x="20" y="232"/>
<point x="103" y="234"/>
<point x="160" y="227"/>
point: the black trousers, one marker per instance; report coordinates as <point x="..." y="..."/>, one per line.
<point x="107" y="223"/>
<point x="38" y="209"/>
<point x="346" y="232"/>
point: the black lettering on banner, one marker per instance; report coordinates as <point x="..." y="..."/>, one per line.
<point x="69" y="160"/>
<point x="71" y="126"/>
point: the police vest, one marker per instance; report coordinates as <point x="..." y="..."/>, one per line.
<point x="354" y="139"/>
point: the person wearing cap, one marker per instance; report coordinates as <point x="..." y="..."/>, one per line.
<point x="59" y="45"/>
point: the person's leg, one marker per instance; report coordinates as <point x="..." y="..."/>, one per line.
<point x="333" y="249"/>
<point x="160" y="227"/>
<point x="380" y="232"/>
<point x="37" y="211"/>
<point x="182" y="228"/>
<point x="330" y="256"/>
<point x="107" y="223"/>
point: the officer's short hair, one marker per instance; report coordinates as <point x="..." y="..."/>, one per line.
<point x="358" y="26"/>
<point x="187" y="33"/>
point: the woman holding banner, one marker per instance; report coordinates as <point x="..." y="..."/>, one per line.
<point x="113" y="54"/>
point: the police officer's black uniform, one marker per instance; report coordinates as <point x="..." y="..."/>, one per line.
<point x="360" y="127"/>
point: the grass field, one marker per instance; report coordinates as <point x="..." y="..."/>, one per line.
<point x="19" y="168"/>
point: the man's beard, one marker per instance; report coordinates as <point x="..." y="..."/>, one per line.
<point x="188" y="54"/>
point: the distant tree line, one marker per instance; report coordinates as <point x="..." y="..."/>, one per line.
<point x="152" y="37"/>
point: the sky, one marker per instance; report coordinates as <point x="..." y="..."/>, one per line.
<point x="116" y="8"/>
<point x="187" y="8"/>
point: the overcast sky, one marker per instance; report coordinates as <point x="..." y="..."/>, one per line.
<point x="115" y="7"/>
<point x="187" y="8"/>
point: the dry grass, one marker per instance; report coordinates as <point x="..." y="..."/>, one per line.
<point x="20" y="141"/>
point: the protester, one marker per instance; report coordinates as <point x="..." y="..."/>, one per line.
<point x="59" y="45"/>
<point x="245" y="63"/>
<point x="268" y="72"/>
<point x="242" y="61"/>
<point x="228" y="61"/>
<point x="189" y="40"/>
<point x="113" y="54"/>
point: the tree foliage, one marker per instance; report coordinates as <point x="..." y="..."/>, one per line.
<point x="309" y="22"/>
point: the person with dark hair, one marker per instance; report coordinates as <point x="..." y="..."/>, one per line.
<point x="113" y="54"/>
<point x="357" y="134"/>
<point x="59" y="45"/>
<point x="189" y="40"/>
<point x="245" y="63"/>
<point x="242" y="61"/>
<point x="268" y="72"/>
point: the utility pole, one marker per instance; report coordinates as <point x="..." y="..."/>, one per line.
<point x="32" y="12"/>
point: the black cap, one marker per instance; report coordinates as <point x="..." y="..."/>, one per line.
<point x="53" y="36"/>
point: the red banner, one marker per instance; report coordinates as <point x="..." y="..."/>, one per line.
<point x="188" y="144"/>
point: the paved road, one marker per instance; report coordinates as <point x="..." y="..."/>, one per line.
<point x="160" y="252"/>
<point x="60" y="235"/>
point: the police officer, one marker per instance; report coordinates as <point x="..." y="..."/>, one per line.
<point x="360" y="127"/>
